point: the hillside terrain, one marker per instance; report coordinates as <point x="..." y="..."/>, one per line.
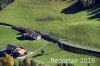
<point x="74" y="28"/>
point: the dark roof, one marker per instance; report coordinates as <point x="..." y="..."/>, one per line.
<point x="11" y="47"/>
<point x="31" y="33"/>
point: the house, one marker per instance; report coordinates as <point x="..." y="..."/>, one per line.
<point x="22" y="52"/>
<point x="11" y="47"/>
<point x="32" y="34"/>
<point x="15" y="50"/>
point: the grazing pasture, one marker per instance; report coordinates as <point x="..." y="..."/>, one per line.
<point x="46" y="16"/>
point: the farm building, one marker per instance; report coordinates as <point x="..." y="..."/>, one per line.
<point x="32" y="34"/>
<point x="11" y="47"/>
<point x="15" y="50"/>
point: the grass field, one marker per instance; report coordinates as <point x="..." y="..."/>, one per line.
<point x="8" y="36"/>
<point x="51" y="50"/>
<point x="45" y="16"/>
<point x="57" y="53"/>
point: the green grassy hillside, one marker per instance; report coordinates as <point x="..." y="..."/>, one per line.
<point x="53" y="51"/>
<point x="8" y="36"/>
<point x="45" y="16"/>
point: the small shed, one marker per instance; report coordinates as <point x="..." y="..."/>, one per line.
<point x="32" y="34"/>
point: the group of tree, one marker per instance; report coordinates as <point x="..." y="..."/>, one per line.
<point x="8" y="60"/>
<point x="63" y="64"/>
<point x="29" y="62"/>
<point x="84" y="3"/>
<point x="4" y="3"/>
<point x="69" y="64"/>
<point x="61" y="0"/>
<point x="88" y="3"/>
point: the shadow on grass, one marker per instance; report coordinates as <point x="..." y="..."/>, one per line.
<point x="25" y="37"/>
<point x="2" y="53"/>
<point x="74" y="8"/>
<point x="73" y="49"/>
<point x="79" y="50"/>
<point x="95" y="11"/>
<point x="37" y="55"/>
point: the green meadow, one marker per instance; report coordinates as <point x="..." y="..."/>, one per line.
<point x="45" y="16"/>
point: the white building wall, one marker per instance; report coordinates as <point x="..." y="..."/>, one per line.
<point x="39" y="37"/>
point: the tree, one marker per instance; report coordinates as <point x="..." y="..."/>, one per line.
<point x="20" y="63"/>
<point x="41" y="64"/>
<point x="87" y="3"/>
<point x="69" y="64"/>
<point x="63" y="64"/>
<point x="15" y="64"/>
<point x="42" y="51"/>
<point x="26" y="62"/>
<point x="58" y="64"/>
<point x="3" y="62"/>
<point x="33" y="63"/>
<point x="7" y="60"/>
<point x="1" y="5"/>
<point x="88" y="64"/>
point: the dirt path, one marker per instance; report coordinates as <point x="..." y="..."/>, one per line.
<point x="6" y="26"/>
<point x="25" y="55"/>
<point x="33" y="53"/>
